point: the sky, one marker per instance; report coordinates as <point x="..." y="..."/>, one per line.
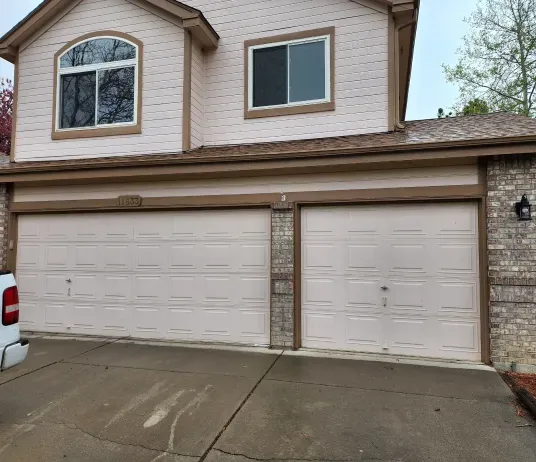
<point x="439" y="35"/>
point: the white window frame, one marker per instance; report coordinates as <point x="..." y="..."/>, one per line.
<point x="327" y="60"/>
<point x="96" y="67"/>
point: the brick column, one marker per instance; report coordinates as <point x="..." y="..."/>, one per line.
<point x="282" y="276"/>
<point x="512" y="262"/>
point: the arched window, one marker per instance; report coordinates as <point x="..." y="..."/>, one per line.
<point x="97" y="85"/>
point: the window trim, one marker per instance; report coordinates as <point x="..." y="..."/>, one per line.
<point x="301" y="107"/>
<point x="125" y="128"/>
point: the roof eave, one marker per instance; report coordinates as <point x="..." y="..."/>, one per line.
<point x="49" y="9"/>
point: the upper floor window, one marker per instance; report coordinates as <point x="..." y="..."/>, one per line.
<point x="290" y="74"/>
<point x="97" y="86"/>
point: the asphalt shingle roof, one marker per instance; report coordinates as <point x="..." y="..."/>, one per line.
<point x="419" y="134"/>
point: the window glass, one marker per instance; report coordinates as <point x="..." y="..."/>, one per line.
<point x="103" y="50"/>
<point x="307" y="76"/>
<point x="78" y="100"/>
<point x="116" y="95"/>
<point x="270" y="76"/>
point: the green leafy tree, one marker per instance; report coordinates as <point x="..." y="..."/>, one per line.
<point x="497" y="63"/>
<point x="475" y="106"/>
<point x="441" y="114"/>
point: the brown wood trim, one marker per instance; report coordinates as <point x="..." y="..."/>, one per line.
<point x="292" y="110"/>
<point x="99" y="131"/>
<point x="15" y="104"/>
<point x="485" y="338"/>
<point x="297" y="278"/>
<point x="303" y="198"/>
<point x="12" y="234"/>
<point x="391" y="71"/>
<point x="187" y="93"/>
<point x="148" y="203"/>
<point x="201" y="32"/>
<point x="388" y="194"/>
<point x="245" y="167"/>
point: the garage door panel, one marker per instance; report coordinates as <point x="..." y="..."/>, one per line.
<point x="322" y="257"/>
<point x="457" y="258"/>
<point x="86" y="257"/>
<point x="152" y="275"/>
<point x="409" y="333"/>
<point x="363" y="257"/>
<point x="364" y="332"/>
<point x="115" y="319"/>
<point x="458" y="297"/>
<point x="181" y="322"/>
<point x="117" y="257"/>
<point x="253" y="324"/>
<point x="321" y="291"/>
<point x="253" y="290"/>
<point x="86" y="286"/>
<point x="146" y="320"/>
<point x="30" y="315"/>
<point x="459" y="224"/>
<point x="149" y="257"/>
<point x="426" y="255"/>
<point x="324" y="223"/>
<point x="149" y="287"/>
<point x="85" y="318"/>
<point x="116" y="287"/>
<point x="319" y="328"/>
<point x="458" y="335"/>
<point x="362" y="294"/>
<point x="57" y="314"/>
<point x="29" y="256"/>
<point x="251" y="256"/>
<point x="409" y="295"/>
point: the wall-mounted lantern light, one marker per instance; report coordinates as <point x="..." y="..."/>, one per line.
<point x="523" y="209"/>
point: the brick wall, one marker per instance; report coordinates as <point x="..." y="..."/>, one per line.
<point x="512" y="262"/>
<point x="282" y="293"/>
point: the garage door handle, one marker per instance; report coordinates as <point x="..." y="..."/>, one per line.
<point x="67" y="280"/>
<point x="384" y="287"/>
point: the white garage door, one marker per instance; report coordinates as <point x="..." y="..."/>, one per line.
<point x="399" y="279"/>
<point x="200" y="275"/>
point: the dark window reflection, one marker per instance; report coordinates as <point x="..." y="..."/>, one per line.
<point x="104" y="50"/>
<point x="78" y="100"/>
<point x="116" y="95"/>
<point x="270" y="76"/>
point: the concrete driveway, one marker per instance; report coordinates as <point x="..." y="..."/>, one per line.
<point x="113" y="401"/>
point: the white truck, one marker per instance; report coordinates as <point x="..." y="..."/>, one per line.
<point x="13" y="350"/>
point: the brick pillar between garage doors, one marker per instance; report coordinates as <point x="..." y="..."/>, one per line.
<point x="282" y="276"/>
<point x="512" y="262"/>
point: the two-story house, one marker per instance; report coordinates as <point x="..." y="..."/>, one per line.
<point x="237" y="171"/>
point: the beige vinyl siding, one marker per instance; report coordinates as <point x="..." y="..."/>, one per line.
<point x="162" y="84"/>
<point x="361" y="56"/>
<point x="380" y="179"/>
<point x="198" y="95"/>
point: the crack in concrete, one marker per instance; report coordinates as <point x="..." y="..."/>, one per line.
<point x="158" y="370"/>
<point x="73" y="426"/>
<point x="279" y="459"/>
<point x="351" y="387"/>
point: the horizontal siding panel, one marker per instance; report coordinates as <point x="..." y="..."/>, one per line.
<point x="162" y="84"/>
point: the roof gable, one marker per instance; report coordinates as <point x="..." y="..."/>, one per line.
<point x="48" y="11"/>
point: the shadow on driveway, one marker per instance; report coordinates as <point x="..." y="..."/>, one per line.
<point x="102" y="401"/>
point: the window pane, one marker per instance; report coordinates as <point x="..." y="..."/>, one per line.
<point x="270" y="76"/>
<point x="77" y="100"/>
<point x="116" y="95"/>
<point x="104" y="50"/>
<point x="307" y="71"/>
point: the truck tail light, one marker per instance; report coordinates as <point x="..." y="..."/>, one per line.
<point x="10" y="306"/>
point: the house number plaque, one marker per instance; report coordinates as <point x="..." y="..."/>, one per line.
<point x="129" y="201"/>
